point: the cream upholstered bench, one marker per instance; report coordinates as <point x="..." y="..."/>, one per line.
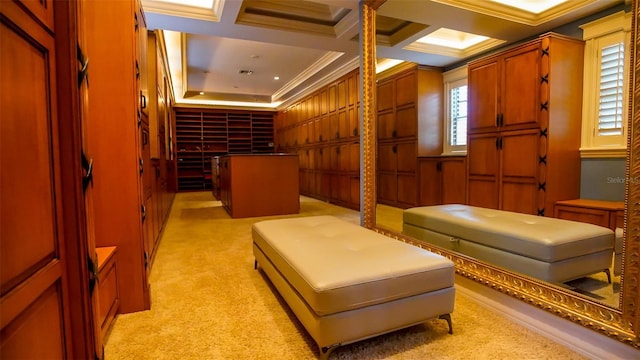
<point x="346" y="283"/>
<point x="550" y="249"/>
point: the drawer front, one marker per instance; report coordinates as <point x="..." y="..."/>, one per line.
<point x="109" y="300"/>
<point x="591" y="216"/>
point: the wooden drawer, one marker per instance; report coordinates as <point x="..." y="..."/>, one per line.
<point x="609" y="214"/>
<point x="107" y="287"/>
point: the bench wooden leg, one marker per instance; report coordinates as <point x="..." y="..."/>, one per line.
<point x="327" y="350"/>
<point x="255" y="264"/>
<point x="447" y="317"/>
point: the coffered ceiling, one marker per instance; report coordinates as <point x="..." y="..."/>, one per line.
<point x="265" y="53"/>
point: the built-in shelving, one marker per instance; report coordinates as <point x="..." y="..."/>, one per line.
<point x="204" y="133"/>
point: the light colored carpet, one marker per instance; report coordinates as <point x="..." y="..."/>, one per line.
<point x="209" y="303"/>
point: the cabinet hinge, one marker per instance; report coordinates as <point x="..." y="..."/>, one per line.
<point x="545" y="51"/>
<point x="146" y="259"/>
<point x="87" y="166"/>
<point x="141" y="165"/>
<point x="83" y="73"/>
<point x="544" y="79"/>
<point x="93" y="273"/>
<point x="542" y="186"/>
<point x="543" y="132"/>
<point x="544" y="106"/>
<point x="543" y="160"/>
<point x="540" y="212"/>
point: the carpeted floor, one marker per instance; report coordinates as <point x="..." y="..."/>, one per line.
<point x="209" y="303"/>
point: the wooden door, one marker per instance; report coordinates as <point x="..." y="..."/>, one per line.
<point x="406" y="122"/>
<point x="430" y="181"/>
<point x="44" y="292"/>
<point x="519" y="94"/>
<point x="483" y="93"/>
<point x="519" y="178"/>
<point x="385" y="125"/>
<point x="454" y="180"/>
<point x="483" y="171"/>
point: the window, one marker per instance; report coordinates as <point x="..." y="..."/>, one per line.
<point x="455" y="136"/>
<point x="605" y="95"/>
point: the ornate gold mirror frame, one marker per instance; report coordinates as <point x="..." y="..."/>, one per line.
<point x="622" y="324"/>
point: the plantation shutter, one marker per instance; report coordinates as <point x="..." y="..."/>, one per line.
<point x="458" y="116"/>
<point x="611" y="90"/>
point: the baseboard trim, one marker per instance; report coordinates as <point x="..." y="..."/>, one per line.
<point x="582" y="340"/>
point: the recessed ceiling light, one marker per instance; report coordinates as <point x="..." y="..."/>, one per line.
<point x="452" y="39"/>
<point x="201" y="92"/>
<point x="245" y="72"/>
<point x="532" y="6"/>
<point x="276" y="78"/>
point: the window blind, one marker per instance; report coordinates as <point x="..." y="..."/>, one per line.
<point x="611" y="90"/>
<point x="458" y="109"/>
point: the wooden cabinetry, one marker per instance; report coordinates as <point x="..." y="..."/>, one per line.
<point x="598" y="212"/>
<point x="107" y="287"/>
<point x="524" y="126"/>
<point x="259" y="185"/>
<point x="442" y="180"/>
<point x="323" y="129"/>
<point x="409" y="124"/>
<point x="204" y="133"/>
<point x="118" y="126"/>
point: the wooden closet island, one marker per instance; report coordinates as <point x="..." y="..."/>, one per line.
<point x="259" y="184"/>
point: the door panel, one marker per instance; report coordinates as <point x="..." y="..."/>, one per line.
<point x="483" y="97"/>
<point x="520" y="90"/>
<point x="32" y="267"/>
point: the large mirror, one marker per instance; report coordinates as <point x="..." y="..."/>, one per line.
<point x="617" y="318"/>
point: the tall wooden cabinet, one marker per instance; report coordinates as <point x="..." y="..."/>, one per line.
<point x="324" y="130"/>
<point x="524" y="126"/>
<point x="409" y="124"/>
<point x="118" y="130"/>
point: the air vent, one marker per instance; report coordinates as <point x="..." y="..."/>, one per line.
<point x="245" y="72"/>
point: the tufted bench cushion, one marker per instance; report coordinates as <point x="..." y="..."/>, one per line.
<point x="553" y="249"/>
<point x="346" y="283"/>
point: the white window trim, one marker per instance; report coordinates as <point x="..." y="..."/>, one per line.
<point x="452" y="78"/>
<point x="598" y="34"/>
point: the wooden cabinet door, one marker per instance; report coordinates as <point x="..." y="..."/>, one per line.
<point x="407" y="194"/>
<point x="430" y="181"/>
<point x="387" y="186"/>
<point x="406" y="123"/>
<point x="454" y="180"/>
<point x="483" y="90"/>
<point x="385" y="125"/>
<point x="384" y="95"/>
<point x="343" y="127"/>
<point x="519" y="178"/>
<point x="354" y="121"/>
<point x="520" y="94"/>
<point x="406" y="89"/>
<point x="387" y="159"/>
<point x="483" y="171"/>
<point x="40" y="319"/>
<point x="406" y="154"/>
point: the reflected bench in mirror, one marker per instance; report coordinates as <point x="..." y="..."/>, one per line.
<point x="549" y="249"/>
<point x="346" y="283"/>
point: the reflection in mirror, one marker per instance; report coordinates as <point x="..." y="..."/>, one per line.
<point x="422" y="159"/>
<point x="589" y="300"/>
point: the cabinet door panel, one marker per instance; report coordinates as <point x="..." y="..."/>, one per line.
<point x="387" y="187"/>
<point x="519" y="197"/>
<point x="354" y="121"/>
<point x="387" y="159"/>
<point x="482" y="192"/>
<point x="406" y="157"/>
<point x="385" y="125"/>
<point x="454" y="181"/>
<point x="520" y="90"/>
<point x="384" y="98"/>
<point x="354" y="161"/>
<point x="483" y="156"/>
<point x="406" y="122"/>
<point x="429" y="182"/>
<point x="483" y="97"/>
<point x="343" y="127"/>
<point x="407" y="189"/>
<point x="406" y="89"/>
<point x="519" y="155"/>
